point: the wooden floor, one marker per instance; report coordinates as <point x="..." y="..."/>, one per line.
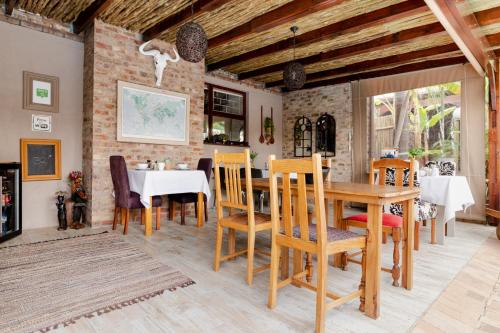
<point x="222" y="302"/>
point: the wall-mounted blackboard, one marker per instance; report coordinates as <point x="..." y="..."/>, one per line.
<point x="41" y="159"/>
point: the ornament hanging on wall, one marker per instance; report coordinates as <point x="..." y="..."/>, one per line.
<point x="160" y="60"/>
<point x="294" y="74"/>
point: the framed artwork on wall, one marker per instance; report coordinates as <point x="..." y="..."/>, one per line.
<point x="150" y="115"/>
<point x="40" y="92"/>
<point x="41" y="159"/>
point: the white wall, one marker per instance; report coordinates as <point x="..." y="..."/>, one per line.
<point x="23" y="49"/>
<point x="255" y="98"/>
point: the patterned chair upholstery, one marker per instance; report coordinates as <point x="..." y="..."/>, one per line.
<point x="422" y="210"/>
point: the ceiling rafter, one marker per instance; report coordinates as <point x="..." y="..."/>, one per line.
<point x="286" y="13"/>
<point x="452" y="20"/>
<point x="376" y="63"/>
<point x="390" y="71"/>
<point x="488" y="16"/>
<point x="372" y="45"/>
<point x="199" y="7"/>
<point x="87" y="16"/>
<point x="350" y="25"/>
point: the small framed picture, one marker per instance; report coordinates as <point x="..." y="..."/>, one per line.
<point x="41" y="159"/>
<point x="40" y="92"/>
<point x="41" y="123"/>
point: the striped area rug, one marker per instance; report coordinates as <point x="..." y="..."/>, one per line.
<point x="51" y="284"/>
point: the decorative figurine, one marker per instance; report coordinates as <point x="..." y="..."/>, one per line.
<point x="79" y="198"/>
<point x="61" y="211"/>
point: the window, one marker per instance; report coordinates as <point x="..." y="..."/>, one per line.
<point x="427" y="118"/>
<point x="225" y="116"/>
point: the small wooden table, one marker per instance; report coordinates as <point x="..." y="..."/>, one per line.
<point x="375" y="197"/>
<point x="150" y="183"/>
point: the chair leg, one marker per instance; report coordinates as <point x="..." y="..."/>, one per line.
<point x="273" y="281"/>
<point x="143" y="216"/>
<point x="362" y="284"/>
<point x="123" y="215"/>
<point x="321" y="291"/>
<point x="433" y="231"/>
<point x="309" y="267"/>
<point x="384" y="237"/>
<point x="206" y="210"/>
<point x="115" y="218"/>
<point x="416" y="245"/>
<point x="218" y="247"/>
<point x="396" y="271"/>
<point x="158" y="218"/>
<point x="424" y="223"/>
<point x="171" y="210"/>
<point x="250" y="255"/>
<point x="183" y="214"/>
<point x="446" y="229"/>
<point x="127" y="216"/>
<point x="196" y="210"/>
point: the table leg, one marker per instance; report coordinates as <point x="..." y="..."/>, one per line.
<point x="408" y="235"/>
<point x="440" y="225"/>
<point x="373" y="261"/>
<point x="338" y="216"/>
<point x="148" y="222"/>
<point x="200" y="206"/>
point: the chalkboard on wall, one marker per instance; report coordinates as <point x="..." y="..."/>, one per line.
<point x="41" y="159"/>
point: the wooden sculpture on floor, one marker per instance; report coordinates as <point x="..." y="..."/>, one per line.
<point x="78" y="204"/>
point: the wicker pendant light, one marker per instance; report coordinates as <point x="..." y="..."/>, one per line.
<point x="191" y="41"/>
<point x="294" y="74"/>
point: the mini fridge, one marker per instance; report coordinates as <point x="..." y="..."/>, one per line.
<point x="10" y="200"/>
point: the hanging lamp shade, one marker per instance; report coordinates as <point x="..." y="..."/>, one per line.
<point x="191" y="42"/>
<point x="294" y="75"/>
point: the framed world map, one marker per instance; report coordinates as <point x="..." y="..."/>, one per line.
<point x="150" y="115"/>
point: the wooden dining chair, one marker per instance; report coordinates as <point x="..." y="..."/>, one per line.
<point x="242" y="216"/>
<point x="318" y="239"/>
<point x="392" y="224"/>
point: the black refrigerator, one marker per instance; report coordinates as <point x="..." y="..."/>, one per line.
<point x="10" y="200"/>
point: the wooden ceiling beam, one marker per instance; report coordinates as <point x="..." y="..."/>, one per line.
<point x="199" y="7"/>
<point x="87" y="16"/>
<point x="493" y="39"/>
<point x="488" y="16"/>
<point x="9" y="6"/>
<point x="369" y="46"/>
<point x="376" y="63"/>
<point x="287" y="13"/>
<point x="350" y="25"/>
<point x="385" y="72"/>
<point x="452" y="20"/>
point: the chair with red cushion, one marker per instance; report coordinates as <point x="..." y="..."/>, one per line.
<point x="126" y="199"/>
<point x="391" y="224"/>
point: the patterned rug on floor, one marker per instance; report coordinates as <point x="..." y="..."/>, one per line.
<point x="54" y="283"/>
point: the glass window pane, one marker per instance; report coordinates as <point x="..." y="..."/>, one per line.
<point x="227" y="129"/>
<point x="205" y="127"/>
<point x="228" y="102"/>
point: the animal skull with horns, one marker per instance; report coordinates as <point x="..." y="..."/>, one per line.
<point x="160" y="60"/>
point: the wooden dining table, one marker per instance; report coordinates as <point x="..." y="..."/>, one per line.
<point x="375" y="196"/>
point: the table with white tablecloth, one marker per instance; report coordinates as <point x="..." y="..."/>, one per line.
<point x="148" y="183"/>
<point x="450" y="194"/>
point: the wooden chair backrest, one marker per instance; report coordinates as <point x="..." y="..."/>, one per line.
<point x="399" y="167"/>
<point x="301" y="167"/>
<point x="232" y="164"/>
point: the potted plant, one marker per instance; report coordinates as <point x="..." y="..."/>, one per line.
<point x="253" y="156"/>
<point x="416" y="153"/>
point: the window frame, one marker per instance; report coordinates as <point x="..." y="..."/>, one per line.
<point x="211" y="113"/>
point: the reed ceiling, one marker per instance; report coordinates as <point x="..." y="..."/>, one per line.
<point x="252" y="38"/>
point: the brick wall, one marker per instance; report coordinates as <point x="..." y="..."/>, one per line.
<point x="334" y="100"/>
<point x="111" y="54"/>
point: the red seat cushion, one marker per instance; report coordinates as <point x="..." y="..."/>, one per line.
<point x="388" y="220"/>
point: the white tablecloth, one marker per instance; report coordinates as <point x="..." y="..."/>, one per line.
<point x="451" y="192"/>
<point x="150" y="183"/>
